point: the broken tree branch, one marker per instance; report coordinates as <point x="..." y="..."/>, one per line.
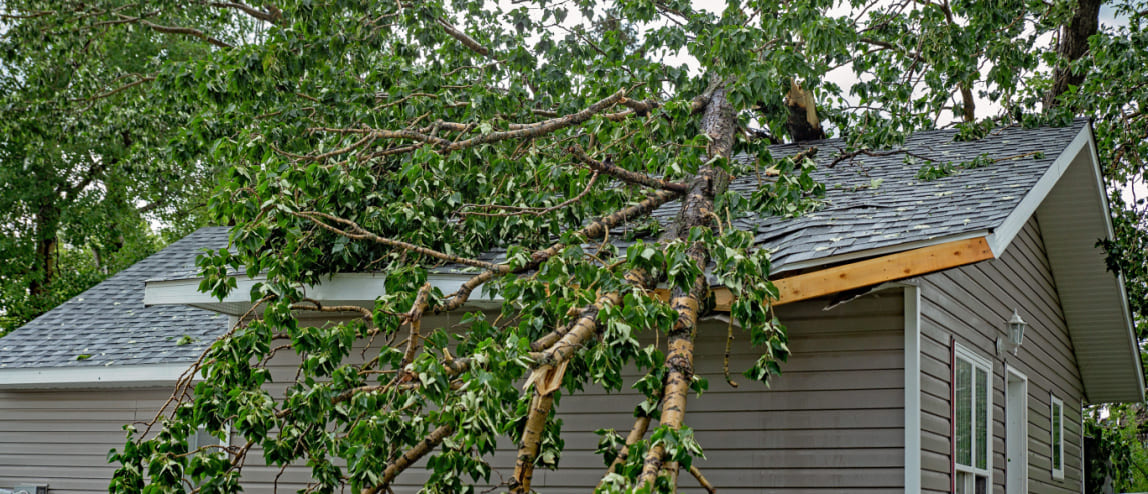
<point x="520" y="210"/>
<point x="187" y="31"/>
<point x="623" y="174"/>
<point x="463" y="38"/>
<point x="359" y="233"/>
<point x="593" y="230"/>
<point x="410" y="456"/>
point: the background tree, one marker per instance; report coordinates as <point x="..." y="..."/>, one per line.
<point x="403" y="137"/>
<point x="82" y="154"/>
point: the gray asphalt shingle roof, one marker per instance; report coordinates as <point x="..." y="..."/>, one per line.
<point x="871" y="202"/>
<point x="901" y="208"/>
<point x="110" y="324"/>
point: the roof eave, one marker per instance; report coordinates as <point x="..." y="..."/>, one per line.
<point x="92" y="377"/>
<point x="1073" y="215"/>
<point x="361" y="289"/>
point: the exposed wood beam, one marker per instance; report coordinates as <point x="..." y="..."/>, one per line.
<point x="872" y="272"/>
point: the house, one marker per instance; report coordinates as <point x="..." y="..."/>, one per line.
<point x="897" y="294"/>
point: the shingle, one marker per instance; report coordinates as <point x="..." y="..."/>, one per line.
<point x="110" y="324"/>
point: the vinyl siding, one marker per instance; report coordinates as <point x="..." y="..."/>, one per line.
<point x="971" y="304"/>
<point x="833" y="422"/>
<point x="62" y="437"/>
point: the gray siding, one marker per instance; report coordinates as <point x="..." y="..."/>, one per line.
<point x="971" y="305"/>
<point x="833" y="422"/>
<point x="62" y="437"/>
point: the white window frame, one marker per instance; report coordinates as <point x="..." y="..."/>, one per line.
<point x="977" y="360"/>
<point x="1055" y="408"/>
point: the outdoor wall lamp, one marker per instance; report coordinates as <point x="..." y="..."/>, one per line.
<point x="1015" y="331"/>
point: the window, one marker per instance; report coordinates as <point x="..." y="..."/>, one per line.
<point x="1057" y="428"/>
<point x="973" y="421"/>
<point x="204" y="439"/>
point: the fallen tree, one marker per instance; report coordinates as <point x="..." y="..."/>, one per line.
<point x="514" y="144"/>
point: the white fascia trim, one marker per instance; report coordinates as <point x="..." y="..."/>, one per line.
<point x="868" y="253"/>
<point x="92" y="377"/>
<point x="1003" y="235"/>
<point x="912" y="296"/>
<point x="347" y="287"/>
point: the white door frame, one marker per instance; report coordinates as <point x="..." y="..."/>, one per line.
<point x="1016" y="431"/>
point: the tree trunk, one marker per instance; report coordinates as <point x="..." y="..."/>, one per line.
<point x="718" y="122"/>
<point x="47" y="242"/>
<point x="1072" y="46"/>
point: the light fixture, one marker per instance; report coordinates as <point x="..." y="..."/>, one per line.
<point x="1015" y="331"/>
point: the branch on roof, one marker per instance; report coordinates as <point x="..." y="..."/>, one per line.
<point x="356" y="232"/>
<point x="529" y="131"/>
<point x="623" y="174"/>
<point x="853" y="154"/>
<point x="522" y="210"/>
<point x="596" y="229"/>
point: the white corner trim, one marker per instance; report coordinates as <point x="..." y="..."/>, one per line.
<point x="92" y="376"/>
<point x="1025" y="421"/>
<point x="1003" y="235"/>
<point x="912" y="296"/>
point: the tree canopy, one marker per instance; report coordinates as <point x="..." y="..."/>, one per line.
<point x="84" y="164"/>
<point x="403" y="137"/>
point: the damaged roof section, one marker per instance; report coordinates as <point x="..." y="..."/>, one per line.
<point x="877" y="202"/>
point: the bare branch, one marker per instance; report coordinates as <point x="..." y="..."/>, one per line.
<point x="517" y="210"/>
<point x="464" y="38"/>
<point x="525" y="132"/>
<point x="318" y="307"/>
<point x="388" y="134"/>
<point x="414" y="319"/>
<point x="176" y="30"/>
<point x="890" y="46"/>
<point x="540" y="407"/>
<point x="273" y="16"/>
<point x="542" y="128"/>
<point x="118" y="90"/>
<point x="411" y="456"/>
<point x="702" y="479"/>
<point x="33" y="15"/>
<point x="625" y="175"/>
<point x="593" y="230"/>
<point x="359" y="233"/>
